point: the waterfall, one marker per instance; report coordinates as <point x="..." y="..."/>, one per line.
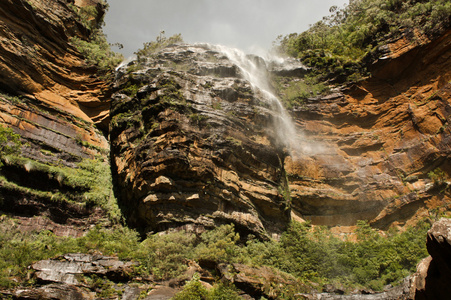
<point x="257" y="75"/>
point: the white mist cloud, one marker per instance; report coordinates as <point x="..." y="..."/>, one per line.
<point x="239" y="23"/>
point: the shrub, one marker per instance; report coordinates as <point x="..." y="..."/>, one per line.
<point x="165" y="256"/>
<point x="219" y="245"/>
<point x="160" y="42"/>
<point x="96" y="49"/>
<point x="438" y="176"/>
<point x="193" y="290"/>
<point x="9" y="142"/>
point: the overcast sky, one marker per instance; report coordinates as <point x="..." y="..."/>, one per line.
<point x="244" y="24"/>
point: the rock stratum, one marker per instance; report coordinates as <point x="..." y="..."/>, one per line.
<point x="376" y="142"/>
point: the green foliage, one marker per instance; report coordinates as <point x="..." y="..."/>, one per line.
<point x="165" y="256"/>
<point x="338" y="43"/>
<point x="91" y="178"/>
<point x="310" y="254"/>
<point x="194" y="290"/>
<point x="219" y="245"/>
<point x="293" y="93"/>
<point x="96" y="49"/>
<point x="9" y="142"/>
<point x="438" y="176"/>
<point x="18" y="249"/>
<point x="223" y="291"/>
<point x="161" y="41"/>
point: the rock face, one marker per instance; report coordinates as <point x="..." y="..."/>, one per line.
<point x="54" y="100"/>
<point x="68" y="267"/>
<point x="193" y="143"/>
<point x="371" y="150"/>
<point x="434" y="273"/>
<point x="38" y="58"/>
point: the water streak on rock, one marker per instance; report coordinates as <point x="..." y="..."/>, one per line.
<point x="255" y="70"/>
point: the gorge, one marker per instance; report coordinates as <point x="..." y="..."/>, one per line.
<point x="192" y="149"/>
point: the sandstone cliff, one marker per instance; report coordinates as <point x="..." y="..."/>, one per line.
<point x="377" y="144"/>
<point x="54" y="100"/>
<point x="193" y="143"/>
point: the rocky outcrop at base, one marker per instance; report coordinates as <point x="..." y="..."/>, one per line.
<point x="431" y="281"/>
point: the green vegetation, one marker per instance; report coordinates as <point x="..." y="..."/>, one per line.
<point x="194" y="290"/>
<point x="161" y="41"/>
<point x="96" y="49"/>
<point x="9" y="142"/>
<point x="294" y="93"/>
<point x="310" y="254"/>
<point x="438" y="176"/>
<point x="336" y="45"/>
<point x="89" y="183"/>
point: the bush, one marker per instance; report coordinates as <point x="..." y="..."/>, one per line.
<point x="310" y="254"/>
<point x="9" y="142"/>
<point x="193" y="290"/>
<point x="96" y="49"/>
<point x="161" y="41"/>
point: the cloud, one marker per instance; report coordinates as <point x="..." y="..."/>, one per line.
<point x="245" y="24"/>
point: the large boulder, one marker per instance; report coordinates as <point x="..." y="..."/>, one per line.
<point x="431" y="281"/>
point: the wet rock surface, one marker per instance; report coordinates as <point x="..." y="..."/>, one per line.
<point x="193" y="143"/>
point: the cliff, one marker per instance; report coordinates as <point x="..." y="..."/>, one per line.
<point x="193" y="144"/>
<point x="197" y="139"/>
<point x="194" y="141"/>
<point x="58" y="104"/>
<point x="378" y="144"/>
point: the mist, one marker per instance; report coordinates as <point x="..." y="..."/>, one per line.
<point x="250" y="25"/>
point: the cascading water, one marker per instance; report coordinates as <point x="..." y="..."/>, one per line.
<point x="257" y="75"/>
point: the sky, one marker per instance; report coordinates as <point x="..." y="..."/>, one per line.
<point x="250" y="25"/>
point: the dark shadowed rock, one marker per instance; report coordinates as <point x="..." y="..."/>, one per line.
<point x="433" y="276"/>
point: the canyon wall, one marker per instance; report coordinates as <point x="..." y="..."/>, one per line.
<point x="379" y="149"/>
<point x="195" y="144"/>
<point x="59" y="105"/>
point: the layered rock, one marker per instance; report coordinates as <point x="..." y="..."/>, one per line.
<point x="37" y="57"/>
<point x="193" y="143"/>
<point x="372" y="149"/>
<point x="58" y="104"/>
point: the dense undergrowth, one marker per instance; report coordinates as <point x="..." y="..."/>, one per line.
<point x="311" y="254"/>
<point x="336" y="46"/>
